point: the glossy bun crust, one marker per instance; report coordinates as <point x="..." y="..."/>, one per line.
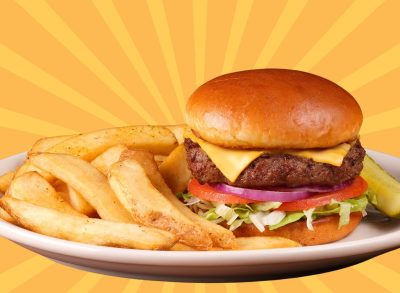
<point x="325" y="230"/>
<point x="273" y="108"/>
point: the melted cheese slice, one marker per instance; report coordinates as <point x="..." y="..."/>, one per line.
<point x="231" y="162"/>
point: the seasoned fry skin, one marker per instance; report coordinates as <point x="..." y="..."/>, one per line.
<point x="85" y="179"/>
<point x="45" y="143"/>
<point x="93" y="231"/>
<point x="7" y="217"/>
<point x="5" y="181"/>
<point x="149" y="207"/>
<point x="33" y="188"/>
<point x="220" y="236"/>
<point x="156" y="139"/>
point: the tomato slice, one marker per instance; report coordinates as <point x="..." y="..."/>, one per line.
<point x="207" y="192"/>
<point x="358" y="186"/>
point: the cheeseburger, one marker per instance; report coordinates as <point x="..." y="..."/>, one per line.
<point x="276" y="152"/>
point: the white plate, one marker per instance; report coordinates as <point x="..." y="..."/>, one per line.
<point x="374" y="236"/>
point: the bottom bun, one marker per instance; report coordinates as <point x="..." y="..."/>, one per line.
<point x="325" y="230"/>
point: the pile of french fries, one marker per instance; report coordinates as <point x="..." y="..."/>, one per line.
<point x="115" y="187"/>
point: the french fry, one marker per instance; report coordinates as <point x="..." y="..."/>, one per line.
<point x="6" y="217"/>
<point x="5" y="181"/>
<point x="149" y="207"/>
<point x="175" y="170"/>
<point x="104" y="161"/>
<point x="160" y="159"/>
<point x="252" y="243"/>
<point x="181" y="247"/>
<point x="45" y="143"/>
<point x="93" y="231"/>
<point x="27" y="166"/>
<point x="75" y="199"/>
<point x="179" y="131"/>
<point x="85" y="179"/>
<point x="42" y="145"/>
<point x="33" y="188"/>
<point x="220" y="236"/>
<point x="156" y="139"/>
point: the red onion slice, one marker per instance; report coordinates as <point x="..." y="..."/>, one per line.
<point x="263" y="195"/>
<point x="316" y="189"/>
<point x="281" y="194"/>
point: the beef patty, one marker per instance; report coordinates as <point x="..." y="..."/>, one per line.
<point x="277" y="170"/>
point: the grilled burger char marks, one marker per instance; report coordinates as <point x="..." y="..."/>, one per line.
<point x="277" y="170"/>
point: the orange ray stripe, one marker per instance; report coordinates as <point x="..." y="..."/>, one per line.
<point x="268" y="287"/>
<point x="382" y="275"/>
<point x="199" y="288"/>
<point x="168" y="287"/>
<point x="23" y="68"/>
<point x="21" y="122"/>
<point x="110" y="15"/>
<point x="88" y="281"/>
<point x="132" y="286"/>
<point x="374" y="69"/>
<point x="53" y="24"/>
<point x="314" y="284"/>
<point x="345" y="24"/>
<point x="287" y="18"/>
<point x="231" y="288"/>
<point x="23" y="272"/>
<point x="242" y="12"/>
<point x="157" y="12"/>
<point x="381" y="121"/>
<point x="200" y="33"/>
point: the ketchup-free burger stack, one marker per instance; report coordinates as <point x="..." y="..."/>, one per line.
<point x="276" y="152"/>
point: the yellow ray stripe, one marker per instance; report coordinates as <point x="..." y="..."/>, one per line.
<point x="379" y="66"/>
<point x="132" y="286"/>
<point x="160" y="22"/>
<point x="231" y="288"/>
<point x="53" y="24"/>
<point x="288" y="16"/>
<point x="381" y="274"/>
<point x="200" y="32"/>
<point x="86" y="283"/>
<point x="30" y="72"/>
<point x="345" y="24"/>
<point x="267" y="287"/>
<point x="110" y="15"/>
<point x="381" y="121"/>
<point x="242" y="11"/>
<point x="168" y="287"/>
<point x="21" y="122"/>
<point x="314" y="284"/>
<point x="23" y="272"/>
<point x="199" y="288"/>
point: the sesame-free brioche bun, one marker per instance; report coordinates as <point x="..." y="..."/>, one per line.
<point x="325" y="230"/>
<point x="273" y="108"/>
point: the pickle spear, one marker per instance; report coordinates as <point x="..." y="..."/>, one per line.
<point x="383" y="189"/>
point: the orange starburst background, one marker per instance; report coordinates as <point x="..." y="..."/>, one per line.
<point x="70" y="67"/>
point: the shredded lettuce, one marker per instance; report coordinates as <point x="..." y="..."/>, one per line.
<point x="273" y="218"/>
<point x="345" y="210"/>
<point x="266" y="206"/>
<point x="184" y="196"/>
<point x="227" y="213"/>
<point x="256" y="220"/>
<point x="264" y="214"/>
<point x="309" y="217"/>
<point x="289" y="218"/>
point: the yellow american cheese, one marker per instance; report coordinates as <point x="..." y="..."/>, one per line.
<point x="231" y="162"/>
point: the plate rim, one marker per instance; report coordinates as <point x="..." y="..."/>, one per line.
<point x="53" y="245"/>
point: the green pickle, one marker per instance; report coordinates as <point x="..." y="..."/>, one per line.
<point x="383" y="189"/>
